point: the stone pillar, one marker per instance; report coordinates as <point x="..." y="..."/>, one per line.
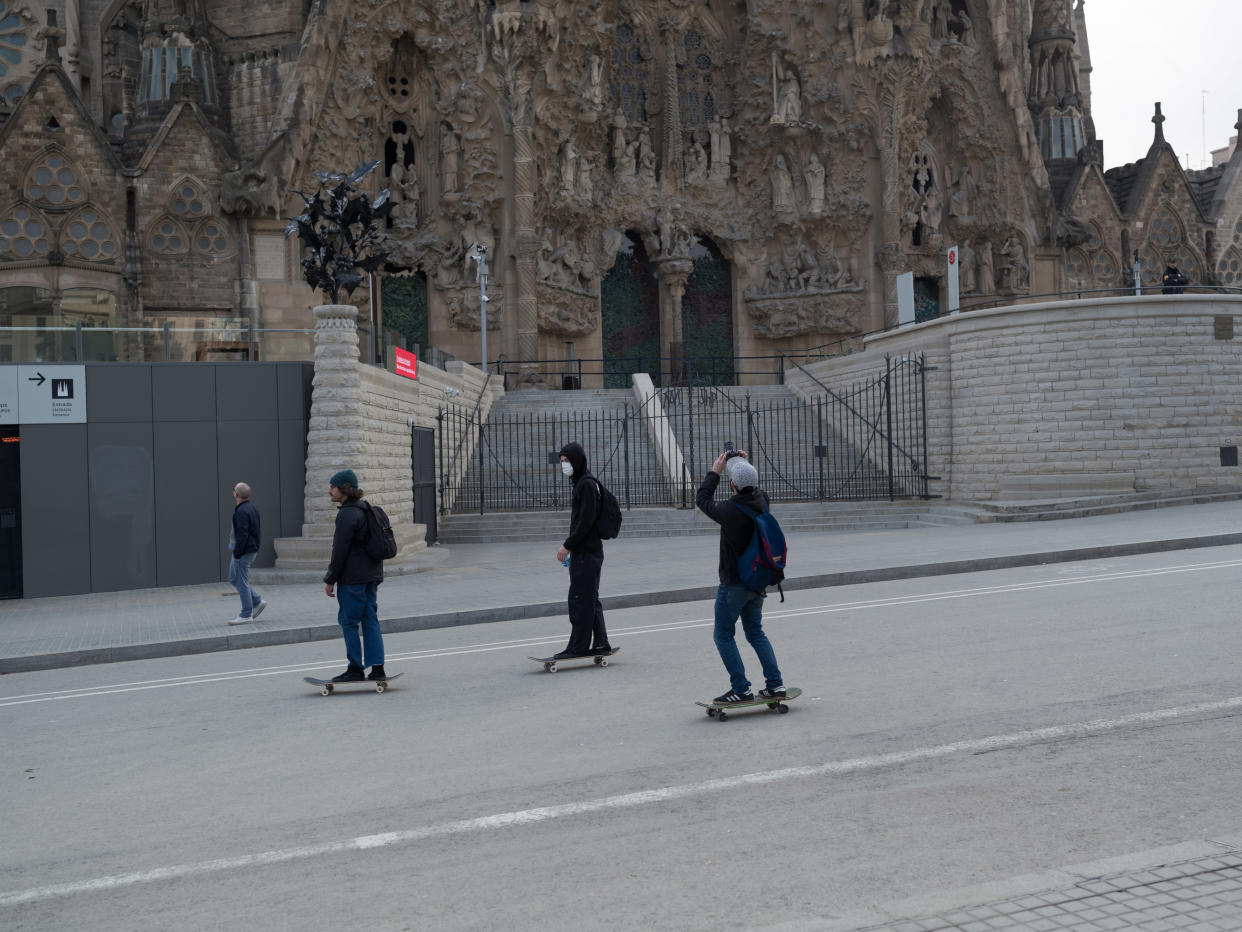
<point x="336" y="438"/>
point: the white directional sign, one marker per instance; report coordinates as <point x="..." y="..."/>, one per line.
<point x="45" y="395"/>
<point x="8" y="395"/>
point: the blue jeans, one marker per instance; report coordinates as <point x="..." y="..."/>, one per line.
<point x="239" y="576"/>
<point x="357" y="606"/>
<point x="732" y="601"/>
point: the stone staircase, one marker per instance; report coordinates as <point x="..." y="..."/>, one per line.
<point x="781" y="444"/>
<point x="524" y="428"/>
<point x="551" y="526"/>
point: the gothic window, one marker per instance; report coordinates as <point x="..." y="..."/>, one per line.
<point x="23" y="236"/>
<point x="13" y="93"/>
<point x="212" y="238"/>
<point x="89" y="236"/>
<point x="398" y="84"/>
<point x="1166" y="230"/>
<point x="1152" y="265"/>
<point x="188" y="202"/>
<point x="1106" y="268"/>
<point x="54" y="183"/>
<point x="1079" y="267"/>
<point x="695" y="83"/>
<point x="629" y="75"/>
<point x="1229" y="269"/>
<point x="12" y="39"/>
<point x="1189" y="264"/>
<point x="1237" y="233"/>
<point x="169" y="237"/>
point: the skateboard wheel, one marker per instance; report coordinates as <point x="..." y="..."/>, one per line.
<point x="711" y="713"/>
<point x="326" y="691"/>
<point x="602" y="661"/>
<point x="722" y="716"/>
<point x="782" y="708"/>
<point x="380" y="687"/>
<point x="551" y="668"/>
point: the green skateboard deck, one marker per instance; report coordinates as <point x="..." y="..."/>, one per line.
<point x="722" y="710"/>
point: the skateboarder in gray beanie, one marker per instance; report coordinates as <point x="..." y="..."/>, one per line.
<point x="732" y="598"/>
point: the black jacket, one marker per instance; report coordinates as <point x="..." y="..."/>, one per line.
<point x="246" y="537"/>
<point x="736" y="528"/>
<point x="1174" y="280"/>
<point x="583" y="533"/>
<point x="351" y="566"/>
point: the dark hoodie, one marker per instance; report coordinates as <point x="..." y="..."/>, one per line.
<point x="736" y="528"/>
<point x="583" y="534"/>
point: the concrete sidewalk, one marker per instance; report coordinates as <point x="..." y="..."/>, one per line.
<point x="477" y="583"/>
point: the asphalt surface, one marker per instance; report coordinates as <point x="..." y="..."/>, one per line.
<point x="1039" y="747"/>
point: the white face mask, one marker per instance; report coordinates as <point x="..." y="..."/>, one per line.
<point x="567" y="468"/>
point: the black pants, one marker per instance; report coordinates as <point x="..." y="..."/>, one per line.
<point x="586" y="615"/>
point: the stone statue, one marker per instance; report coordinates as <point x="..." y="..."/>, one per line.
<point x="449" y="149"/>
<point x="985" y="272"/>
<point x="586" y="183"/>
<point x="593" y="89"/>
<point x="942" y="13"/>
<point x="696" y="161"/>
<point x="782" y="184"/>
<point x="569" y="168"/>
<point x="966" y="269"/>
<point x="967" y="27"/>
<point x="721" y="149"/>
<point x="623" y="157"/>
<point x="814" y="174"/>
<point x="1015" y="274"/>
<point x="646" y="155"/>
<point x="786" y="93"/>
<point x="962" y="191"/>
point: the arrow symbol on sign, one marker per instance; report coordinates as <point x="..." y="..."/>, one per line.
<point x="38" y="378"/>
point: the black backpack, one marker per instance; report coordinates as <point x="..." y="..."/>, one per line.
<point x="608" y="522"/>
<point x="381" y="543"/>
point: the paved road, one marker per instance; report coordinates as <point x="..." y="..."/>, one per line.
<point x="955" y="731"/>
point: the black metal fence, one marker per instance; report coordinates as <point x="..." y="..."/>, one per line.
<point x="869" y="442"/>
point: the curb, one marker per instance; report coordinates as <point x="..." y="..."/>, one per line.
<point x="480" y="616"/>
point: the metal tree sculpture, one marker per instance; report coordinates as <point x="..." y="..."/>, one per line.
<point x="341" y="228"/>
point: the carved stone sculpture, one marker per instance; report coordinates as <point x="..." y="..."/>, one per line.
<point x="814" y="173"/>
<point x="782" y="184"/>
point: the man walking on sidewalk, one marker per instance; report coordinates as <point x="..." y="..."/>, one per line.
<point x="732" y="598"/>
<point x="244" y="541"/>
<point x="585" y="551"/>
<point x="355" y="576"/>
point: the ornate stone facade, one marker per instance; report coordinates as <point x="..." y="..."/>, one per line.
<point x="821" y="149"/>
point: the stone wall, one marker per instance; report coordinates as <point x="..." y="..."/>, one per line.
<point x="392" y="404"/>
<point x="1146" y="387"/>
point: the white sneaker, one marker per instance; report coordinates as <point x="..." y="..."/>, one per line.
<point x="258" y="609"/>
<point x="240" y="621"/>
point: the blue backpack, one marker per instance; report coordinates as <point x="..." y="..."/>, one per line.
<point x="762" y="564"/>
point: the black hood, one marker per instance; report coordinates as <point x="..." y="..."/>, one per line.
<point x="577" y="458"/>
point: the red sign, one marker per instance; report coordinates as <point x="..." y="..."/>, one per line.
<point x="407" y="363"/>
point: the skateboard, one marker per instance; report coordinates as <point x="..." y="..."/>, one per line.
<point x="721" y="711"/>
<point x="326" y="687"/>
<point x="551" y="663"/>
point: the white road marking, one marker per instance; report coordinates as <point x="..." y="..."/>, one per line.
<point x="650" y="628"/>
<point x="1075" y="730"/>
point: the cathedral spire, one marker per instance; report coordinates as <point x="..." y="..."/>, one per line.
<point x="1054" y="95"/>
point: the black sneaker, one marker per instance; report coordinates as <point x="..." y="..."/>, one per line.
<point x="601" y="650"/>
<point x="377" y="673"/>
<point x="351" y="675"/>
<point x="732" y="696"/>
<point x="568" y="655"/>
<point x="772" y="692"/>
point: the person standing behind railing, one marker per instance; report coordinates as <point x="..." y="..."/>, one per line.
<point x="1173" y="279"/>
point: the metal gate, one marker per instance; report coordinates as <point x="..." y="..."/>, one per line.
<point x="423" y="467"/>
<point x="865" y="443"/>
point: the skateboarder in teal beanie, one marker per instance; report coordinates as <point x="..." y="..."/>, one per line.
<point x="355" y="576"/>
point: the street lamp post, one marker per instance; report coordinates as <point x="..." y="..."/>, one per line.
<point x="478" y="253"/>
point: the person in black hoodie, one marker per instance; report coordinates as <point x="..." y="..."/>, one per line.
<point x="732" y="598"/>
<point x="587" y="633"/>
<point x="1173" y="279"/>
<point x="356" y="577"/>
